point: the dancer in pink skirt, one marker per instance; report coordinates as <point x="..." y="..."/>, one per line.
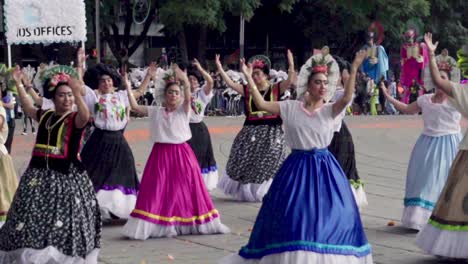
<point x="173" y="199"/>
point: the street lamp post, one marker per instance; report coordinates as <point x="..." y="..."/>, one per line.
<point x="241" y="36"/>
<point x="97" y="29"/>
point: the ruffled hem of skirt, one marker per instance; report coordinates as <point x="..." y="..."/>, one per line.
<point x="49" y="255"/>
<point x="115" y="202"/>
<point x="303" y="257"/>
<point x="360" y="196"/>
<point x="250" y="192"/>
<point x="446" y="243"/>
<point x="211" y="179"/>
<point x="415" y="217"/>
<point x="136" y="228"/>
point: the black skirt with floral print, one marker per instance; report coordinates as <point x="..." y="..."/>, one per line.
<point x="56" y="209"/>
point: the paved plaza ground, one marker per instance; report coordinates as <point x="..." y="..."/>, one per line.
<point x="383" y="146"/>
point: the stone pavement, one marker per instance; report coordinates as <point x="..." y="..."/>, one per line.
<point x="383" y="146"/>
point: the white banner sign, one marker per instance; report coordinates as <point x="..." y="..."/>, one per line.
<point x="45" y="21"/>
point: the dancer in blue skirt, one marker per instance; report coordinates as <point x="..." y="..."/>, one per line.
<point x="309" y="215"/>
<point x="432" y="154"/>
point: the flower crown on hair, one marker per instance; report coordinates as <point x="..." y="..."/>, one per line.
<point x="260" y="61"/>
<point x="58" y="74"/>
<point x="60" y="77"/>
<point x="320" y="66"/>
<point x="258" y="64"/>
<point x="444" y="66"/>
<point x="169" y="77"/>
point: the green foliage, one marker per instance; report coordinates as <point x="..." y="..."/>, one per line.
<point x="449" y="23"/>
<point x="340" y="21"/>
<point x="177" y="14"/>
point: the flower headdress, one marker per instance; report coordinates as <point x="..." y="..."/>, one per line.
<point x="169" y="77"/>
<point x="260" y="61"/>
<point x="319" y="63"/>
<point x="444" y="66"/>
<point x="58" y="74"/>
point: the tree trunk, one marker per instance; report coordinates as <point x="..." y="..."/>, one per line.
<point x="181" y="38"/>
<point x="202" y="43"/>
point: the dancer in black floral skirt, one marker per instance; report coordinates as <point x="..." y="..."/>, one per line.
<point x="54" y="217"/>
<point x="259" y="149"/>
<point x="342" y="146"/>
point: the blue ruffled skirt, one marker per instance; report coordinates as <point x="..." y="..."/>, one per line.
<point x="428" y="170"/>
<point x="310" y="208"/>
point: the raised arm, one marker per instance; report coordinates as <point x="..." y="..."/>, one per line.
<point x="271" y="107"/>
<point x="442" y="84"/>
<point x="29" y="89"/>
<point x="26" y="104"/>
<point x="410" y="109"/>
<point x="81" y="60"/>
<point x="209" y="83"/>
<point x="182" y="77"/>
<point x="82" y="115"/>
<point x="344" y="101"/>
<point x="291" y="74"/>
<point x="150" y="74"/>
<point x="235" y="86"/>
<point x="141" y="109"/>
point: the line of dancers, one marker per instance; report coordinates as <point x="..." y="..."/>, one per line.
<point x="310" y="197"/>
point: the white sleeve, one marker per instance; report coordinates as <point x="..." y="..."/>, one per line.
<point x="420" y="101"/>
<point x="90" y="99"/>
<point x="124" y="98"/>
<point x="181" y="109"/>
<point x="336" y="122"/>
<point x="152" y="111"/>
<point x="206" y="99"/>
<point x="286" y="108"/>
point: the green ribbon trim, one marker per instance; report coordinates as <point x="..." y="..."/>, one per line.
<point x="460" y="228"/>
<point x="356" y="184"/>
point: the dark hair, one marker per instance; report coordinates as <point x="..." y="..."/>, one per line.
<point x="196" y="74"/>
<point x="51" y="94"/>
<point x="92" y="75"/>
<point x="343" y="64"/>
<point x="312" y="75"/>
<point x="169" y="85"/>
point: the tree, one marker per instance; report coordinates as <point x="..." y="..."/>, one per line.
<point x="341" y="23"/>
<point x="122" y="47"/>
<point x="190" y="21"/>
<point x="449" y="23"/>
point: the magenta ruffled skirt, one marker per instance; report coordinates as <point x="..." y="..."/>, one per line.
<point x="173" y="199"/>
